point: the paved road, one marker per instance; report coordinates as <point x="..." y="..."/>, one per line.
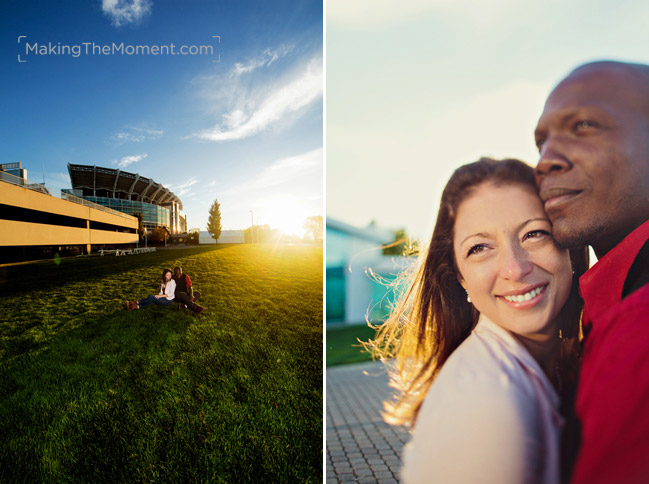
<point x="360" y="446"/>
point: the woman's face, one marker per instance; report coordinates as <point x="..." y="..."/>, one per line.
<point x="508" y="260"/>
<point x="167" y="276"/>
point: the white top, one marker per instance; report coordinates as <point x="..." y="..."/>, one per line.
<point x="490" y="416"/>
<point x="171" y="289"/>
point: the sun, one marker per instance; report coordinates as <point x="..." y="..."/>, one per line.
<point x="287" y="219"/>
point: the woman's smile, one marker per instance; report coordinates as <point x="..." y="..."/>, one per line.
<point x="525" y="299"/>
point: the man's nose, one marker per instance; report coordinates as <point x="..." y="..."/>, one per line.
<point x="552" y="159"/>
<point x="515" y="263"/>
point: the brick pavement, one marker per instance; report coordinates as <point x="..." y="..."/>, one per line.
<point x="360" y="446"/>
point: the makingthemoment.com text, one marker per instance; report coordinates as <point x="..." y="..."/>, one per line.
<point x="90" y="48"/>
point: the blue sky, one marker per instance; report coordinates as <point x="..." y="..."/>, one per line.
<point x="246" y="130"/>
<point x="416" y="89"/>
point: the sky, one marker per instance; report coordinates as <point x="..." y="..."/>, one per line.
<point x="240" y="121"/>
<point x="416" y="89"/>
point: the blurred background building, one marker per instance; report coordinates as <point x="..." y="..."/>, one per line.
<point x="359" y="273"/>
<point x="226" y="237"/>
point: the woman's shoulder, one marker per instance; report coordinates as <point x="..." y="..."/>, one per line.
<point x="484" y="370"/>
<point x="479" y="405"/>
<point x="480" y="359"/>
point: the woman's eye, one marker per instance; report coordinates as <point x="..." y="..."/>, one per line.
<point x="536" y="234"/>
<point x="476" y="249"/>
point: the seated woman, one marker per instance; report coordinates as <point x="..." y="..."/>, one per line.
<point x="164" y="298"/>
<point x="485" y="336"/>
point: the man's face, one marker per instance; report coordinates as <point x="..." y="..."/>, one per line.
<point x="178" y="272"/>
<point x="593" y="171"/>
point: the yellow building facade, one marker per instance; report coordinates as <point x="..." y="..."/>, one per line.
<point x="32" y="218"/>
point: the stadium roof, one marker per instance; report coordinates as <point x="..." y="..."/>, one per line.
<point x="91" y="177"/>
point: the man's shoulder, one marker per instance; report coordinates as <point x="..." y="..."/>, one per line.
<point x="638" y="275"/>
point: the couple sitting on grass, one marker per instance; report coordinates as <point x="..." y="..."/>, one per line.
<point x="173" y="289"/>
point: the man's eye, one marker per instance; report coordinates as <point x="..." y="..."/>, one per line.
<point x="584" y="124"/>
<point x="539" y="144"/>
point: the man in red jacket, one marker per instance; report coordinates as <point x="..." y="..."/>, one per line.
<point x="185" y="294"/>
<point x="593" y="176"/>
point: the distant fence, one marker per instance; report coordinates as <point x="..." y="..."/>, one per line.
<point x="139" y="250"/>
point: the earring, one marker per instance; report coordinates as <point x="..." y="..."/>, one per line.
<point x="468" y="298"/>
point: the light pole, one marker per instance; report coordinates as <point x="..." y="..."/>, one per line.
<point x="252" y="228"/>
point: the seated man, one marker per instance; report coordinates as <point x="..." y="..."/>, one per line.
<point x="185" y="294"/>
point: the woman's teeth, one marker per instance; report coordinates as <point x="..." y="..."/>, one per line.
<point x="525" y="297"/>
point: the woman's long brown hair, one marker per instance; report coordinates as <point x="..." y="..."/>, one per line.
<point x="164" y="282"/>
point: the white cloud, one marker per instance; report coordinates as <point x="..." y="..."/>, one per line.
<point x="53" y="181"/>
<point x="136" y="135"/>
<point x="128" y="160"/>
<point x="123" y="12"/>
<point x="265" y="59"/>
<point x="284" y="172"/>
<point x="280" y="194"/>
<point x="183" y="188"/>
<point x="252" y="116"/>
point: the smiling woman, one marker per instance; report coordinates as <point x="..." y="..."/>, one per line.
<point x="509" y="263"/>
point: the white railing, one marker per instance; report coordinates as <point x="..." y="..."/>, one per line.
<point x="22" y="182"/>
<point x="87" y="203"/>
<point x="40" y="187"/>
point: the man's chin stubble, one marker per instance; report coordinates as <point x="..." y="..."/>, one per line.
<point x="574" y="236"/>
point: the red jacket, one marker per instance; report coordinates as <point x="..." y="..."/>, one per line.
<point x="613" y="393"/>
<point x="183" y="283"/>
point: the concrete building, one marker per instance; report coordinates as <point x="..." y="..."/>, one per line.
<point x="14" y="169"/>
<point x="227" y="237"/>
<point x="129" y="193"/>
<point x="32" y="220"/>
<point x="15" y="174"/>
<point x="358" y="273"/>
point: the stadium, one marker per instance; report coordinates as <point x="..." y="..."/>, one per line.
<point x="129" y="193"/>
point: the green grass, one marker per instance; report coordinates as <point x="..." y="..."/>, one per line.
<point x="92" y="393"/>
<point x="343" y="347"/>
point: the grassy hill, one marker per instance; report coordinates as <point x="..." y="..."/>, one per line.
<point x="92" y="393"/>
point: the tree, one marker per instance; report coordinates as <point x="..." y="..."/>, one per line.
<point x="261" y="233"/>
<point x="402" y="245"/>
<point x="159" y="235"/>
<point x="140" y="226"/>
<point x="193" y="236"/>
<point x="214" y="222"/>
<point x="313" y="227"/>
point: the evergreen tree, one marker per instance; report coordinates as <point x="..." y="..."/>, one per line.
<point x="214" y="222"/>
<point x="140" y="226"/>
